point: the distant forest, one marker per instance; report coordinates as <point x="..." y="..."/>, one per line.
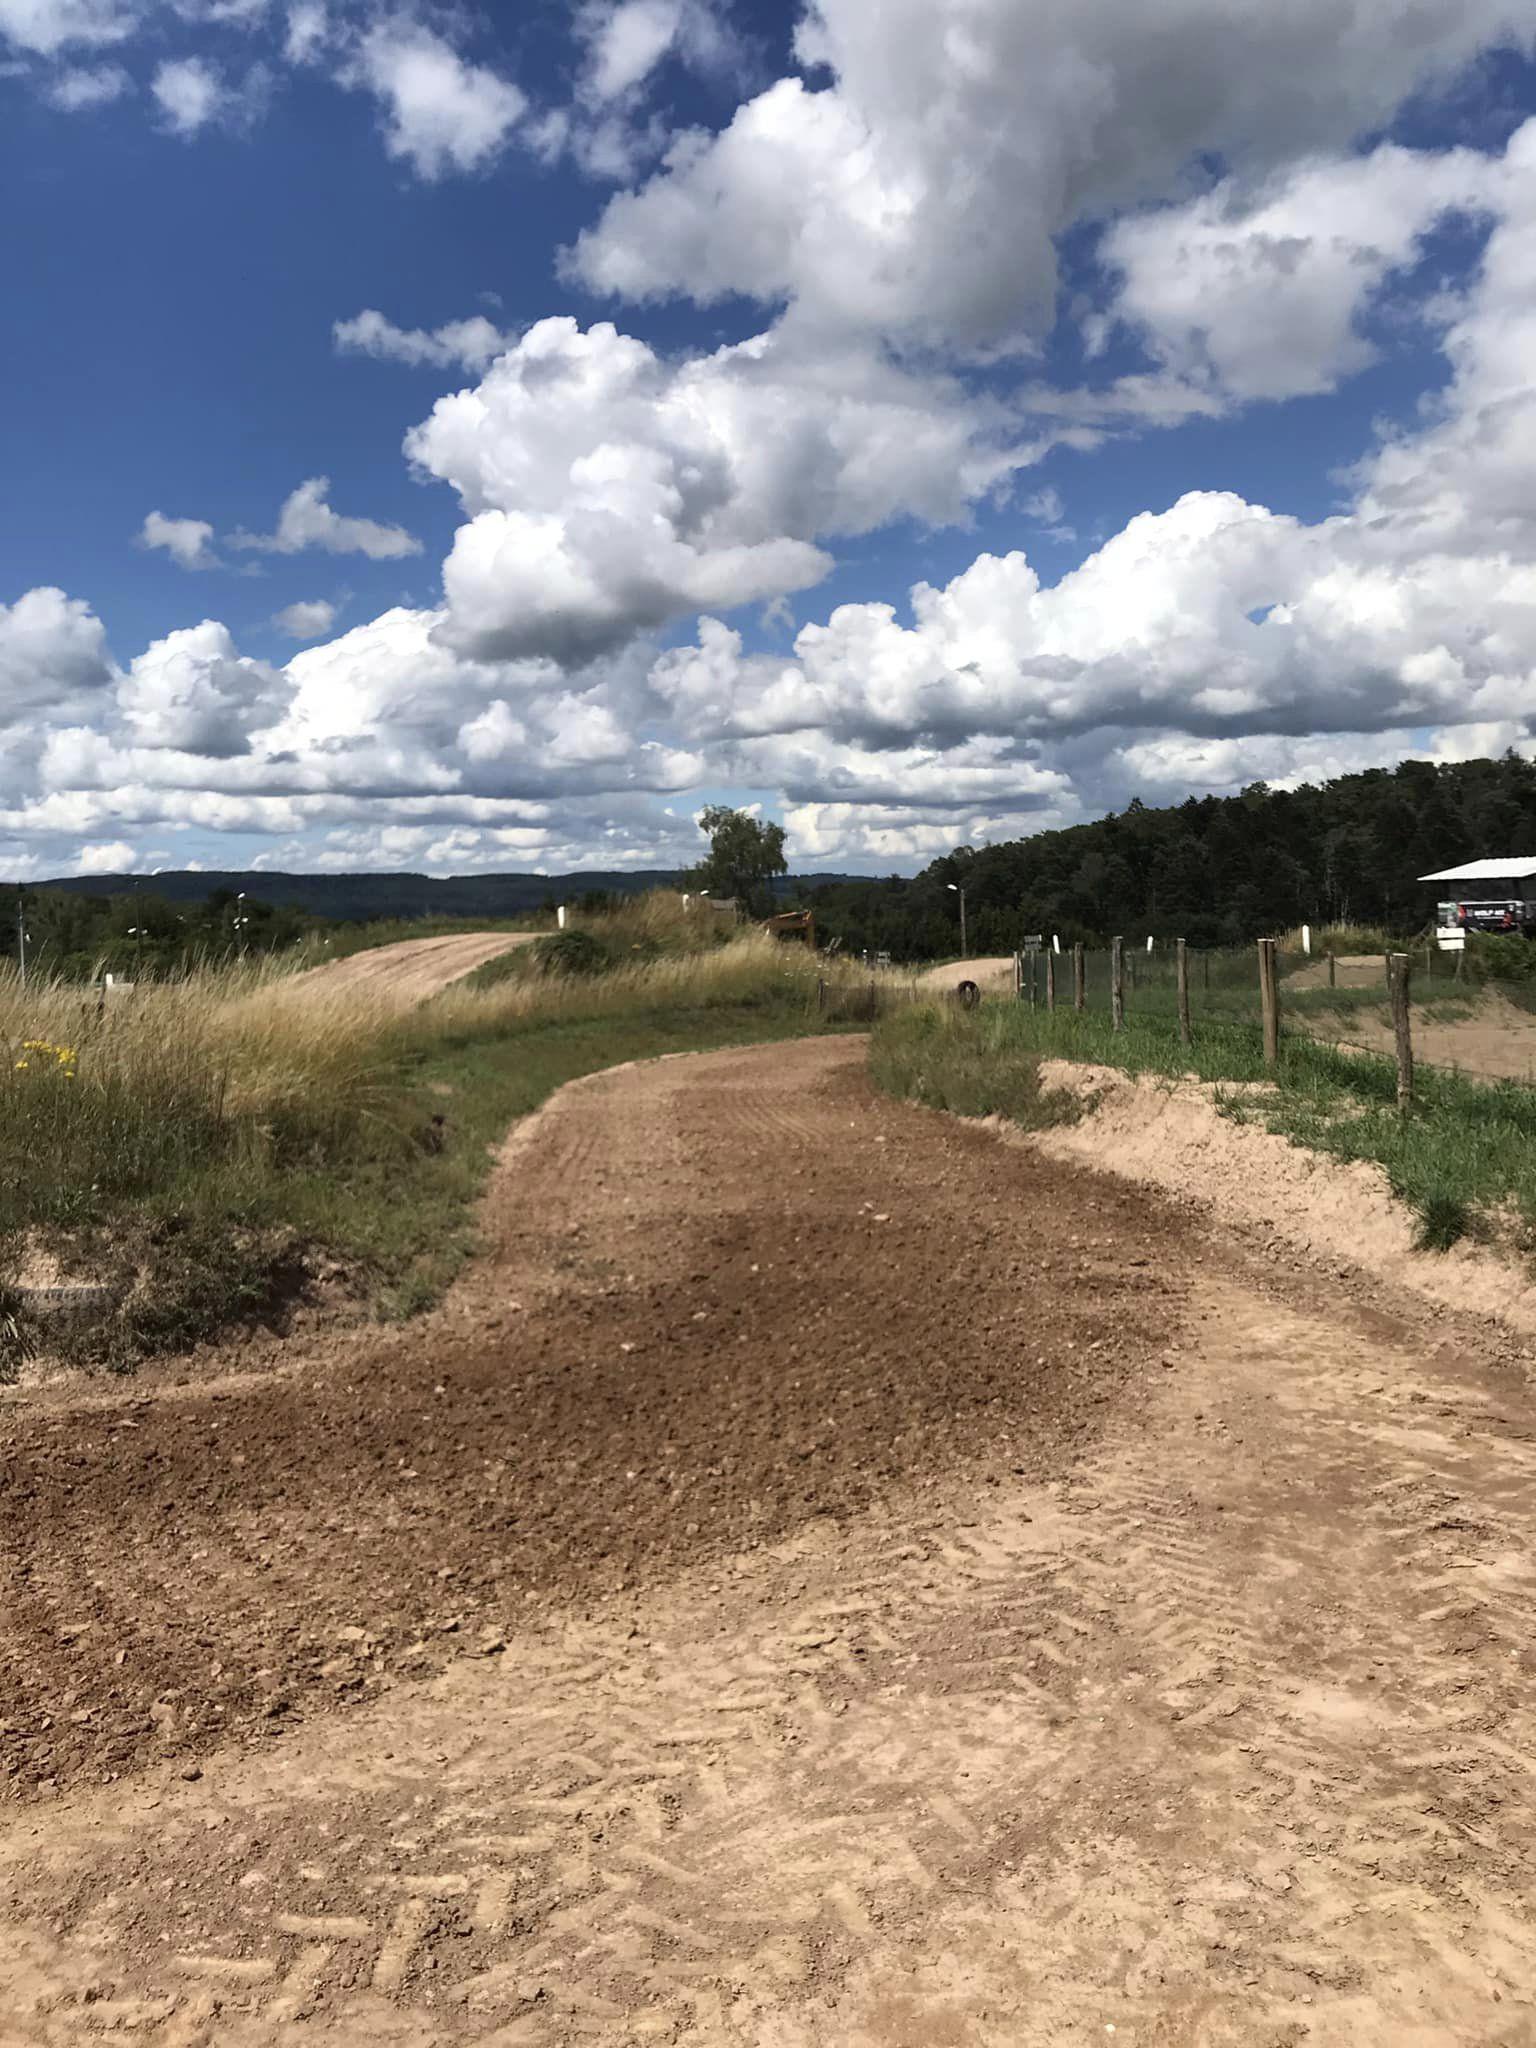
<point x="1215" y="870"/>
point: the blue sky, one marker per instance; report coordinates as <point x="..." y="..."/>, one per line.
<point x="1181" y="353"/>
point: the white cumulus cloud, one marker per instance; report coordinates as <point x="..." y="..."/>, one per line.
<point x="919" y="193"/>
<point x="83" y="87"/>
<point x="610" y="490"/>
<point x="307" y="521"/>
<point x="192" y="691"/>
<point x="468" y="344"/>
<point x="44" y="26"/>
<point x="306" y="619"/>
<point x="1260" y="290"/>
<point x="442" y="112"/>
<point x="188" y="542"/>
<point x="191" y="92"/>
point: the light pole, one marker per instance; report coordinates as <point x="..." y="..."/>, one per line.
<point x="241" y="921"/>
<point x="21" y="931"/>
<point x="965" y="951"/>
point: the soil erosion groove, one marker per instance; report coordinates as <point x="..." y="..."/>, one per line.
<point x="924" y="1593"/>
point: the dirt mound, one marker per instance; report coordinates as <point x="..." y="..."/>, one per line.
<point x="993" y="968"/>
<point x="1351" y="970"/>
<point x="1173" y="1135"/>
<point x="413" y="969"/>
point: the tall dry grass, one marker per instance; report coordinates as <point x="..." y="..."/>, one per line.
<point x="241" y="1069"/>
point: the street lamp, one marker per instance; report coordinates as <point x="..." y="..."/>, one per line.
<point x="240" y="921"/>
<point x="965" y="951"/>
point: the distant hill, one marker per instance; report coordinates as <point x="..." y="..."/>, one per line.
<point x="363" y="897"/>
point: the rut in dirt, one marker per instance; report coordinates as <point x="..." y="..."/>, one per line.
<point x="729" y="1295"/>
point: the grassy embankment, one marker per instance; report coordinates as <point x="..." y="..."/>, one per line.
<point x="1464" y="1155"/>
<point x="227" y="1136"/>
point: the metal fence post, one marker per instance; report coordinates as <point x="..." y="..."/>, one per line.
<point x="1117" y="983"/>
<point x="1050" y="981"/>
<point x="1181" y="962"/>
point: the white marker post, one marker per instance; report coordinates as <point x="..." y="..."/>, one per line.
<point x="560" y="917"/>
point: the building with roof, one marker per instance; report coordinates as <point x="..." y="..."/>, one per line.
<point x="1496" y="894"/>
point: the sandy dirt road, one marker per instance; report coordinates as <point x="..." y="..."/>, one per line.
<point x="956" y="1601"/>
<point x="413" y="969"/>
<point x="990" y="969"/>
<point x="1494" y="1040"/>
<point x="1351" y="970"/>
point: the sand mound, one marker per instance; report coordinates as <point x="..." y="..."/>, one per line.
<point x="413" y="969"/>
<point x="993" y="968"/>
<point x="1172" y="1135"/>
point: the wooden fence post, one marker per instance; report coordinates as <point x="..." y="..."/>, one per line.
<point x="1117" y="983"/>
<point x="1398" y="973"/>
<point x="1181" y="958"/>
<point x="1269" y="996"/>
<point x="1018" y="977"/>
<point x="1050" y="981"/>
<point x="1333" y="970"/>
<point x="821" y="995"/>
<point x="1079" y="977"/>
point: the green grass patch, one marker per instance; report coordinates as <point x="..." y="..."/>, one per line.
<point x="1463" y="1155"/>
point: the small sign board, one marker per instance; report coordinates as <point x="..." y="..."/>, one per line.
<point x="1032" y="942"/>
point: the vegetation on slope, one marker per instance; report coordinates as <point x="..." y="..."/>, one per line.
<point x="221" y="1140"/>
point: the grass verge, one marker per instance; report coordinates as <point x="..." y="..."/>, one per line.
<point x="1463" y="1158"/>
<point x="219" y="1147"/>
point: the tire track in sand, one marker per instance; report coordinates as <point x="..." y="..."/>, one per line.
<point x="1218" y="1736"/>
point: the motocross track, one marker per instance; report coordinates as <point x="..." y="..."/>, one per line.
<point x="413" y="969"/>
<point x="994" y="967"/>
<point x="871" y="1585"/>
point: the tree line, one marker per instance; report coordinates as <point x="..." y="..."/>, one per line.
<point x="139" y="934"/>
<point x="1217" y="871"/>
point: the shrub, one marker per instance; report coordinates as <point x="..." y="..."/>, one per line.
<point x="572" y="952"/>
<point x="1496" y="956"/>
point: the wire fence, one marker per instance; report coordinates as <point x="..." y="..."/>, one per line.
<point x="1458" y="1022"/>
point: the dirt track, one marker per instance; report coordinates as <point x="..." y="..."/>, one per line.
<point x="413" y="969"/>
<point x="1493" y="1041"/>
<point x="928" y="1597"/>
<point x="953" y="972"/>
